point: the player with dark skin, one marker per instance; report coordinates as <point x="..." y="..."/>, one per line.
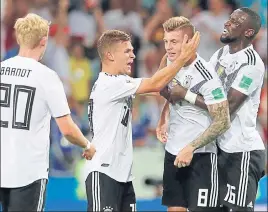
<point x="240" y="31"/>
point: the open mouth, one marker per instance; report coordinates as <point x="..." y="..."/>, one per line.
<point x="129" y="64"/>
<point x="171" y="54"/>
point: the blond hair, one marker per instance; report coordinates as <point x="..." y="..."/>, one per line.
<point x="177" y="23"/>
<point x="30" y="30"/>
<point x="109" y="38"/>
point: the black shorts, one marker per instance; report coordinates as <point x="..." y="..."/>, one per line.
<point x="239" y="176"/>
<point x="107" y="194"/>
<point x="194" y="187"/>
<point x="26" y="198"/>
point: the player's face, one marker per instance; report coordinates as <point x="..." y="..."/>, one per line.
<point x="124" y="57"/>
<point x="235" y="27"/>
<point x="173" y="41"/>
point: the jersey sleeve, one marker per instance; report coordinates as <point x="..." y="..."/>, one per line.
<point x="213" y="92"/>
<point x="55" y="96"/>
<point x="248" y="79"/>
<point x="124" y="87"/>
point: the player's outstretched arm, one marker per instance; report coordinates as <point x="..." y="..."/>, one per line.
<point x="178" y="93"/>
<point x="73" y="134"/>
<point x="162" y="65"/>
<point x="247" y="81"/>
<point x="162" y="77"/>
<point x="235" y="98"/>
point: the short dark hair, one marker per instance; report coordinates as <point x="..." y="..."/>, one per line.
<point x="110" y="37"/>
<point x="255" y="19"/>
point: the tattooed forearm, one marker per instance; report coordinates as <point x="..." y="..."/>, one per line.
<point x="220" y="123"/>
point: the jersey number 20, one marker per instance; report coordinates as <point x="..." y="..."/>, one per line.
<point x="23" y="97"/>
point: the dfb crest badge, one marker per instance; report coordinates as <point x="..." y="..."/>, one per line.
<point x="187" y="81"/>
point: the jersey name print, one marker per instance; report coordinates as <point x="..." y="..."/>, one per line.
<point x="31" y="94"/>
<point x="18" y="72"/>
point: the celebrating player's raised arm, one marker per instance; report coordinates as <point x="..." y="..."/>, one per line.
<point x="162" y="77"/>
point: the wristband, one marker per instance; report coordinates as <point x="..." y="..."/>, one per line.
<point x="88" y="145"/>
<point x="190" y="97"/>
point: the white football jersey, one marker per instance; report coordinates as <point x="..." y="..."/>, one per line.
<point x="30" y="94"/>
<point x="187" y="121"/>
<point x="110" y="118"/>
<point x="244" y="72"/>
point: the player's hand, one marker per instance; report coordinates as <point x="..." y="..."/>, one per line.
<point x="89" y="153"/>
<point x="161" y="132"/>
<point x="189" y="47"/>
<point x="184" y="157"/>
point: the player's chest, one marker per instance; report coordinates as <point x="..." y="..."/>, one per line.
<point x="187" y="79"/>
<point x="227" y="66"/>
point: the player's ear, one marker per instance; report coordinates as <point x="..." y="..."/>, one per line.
<point x="43" y="41"/>
<point x="110" y="56"/>
<point x="249" y="33"/>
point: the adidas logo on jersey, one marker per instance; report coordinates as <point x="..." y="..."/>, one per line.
<point x="107" y="208"/>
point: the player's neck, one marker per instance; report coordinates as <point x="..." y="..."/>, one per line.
<point x="192" y="59"/>
<point x="109" y="69"/>
<point x="30" y="53"/>
<point x="236" y="47"/>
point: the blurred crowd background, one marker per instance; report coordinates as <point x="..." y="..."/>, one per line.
<point x="71" y="52"/>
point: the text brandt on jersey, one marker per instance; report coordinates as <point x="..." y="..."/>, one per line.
<point x="18" y="72"/>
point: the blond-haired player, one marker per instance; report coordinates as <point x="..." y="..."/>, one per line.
<point x="30" y="94"/>
<point x="109" y="178"/>
<point x="190" y="179"/>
